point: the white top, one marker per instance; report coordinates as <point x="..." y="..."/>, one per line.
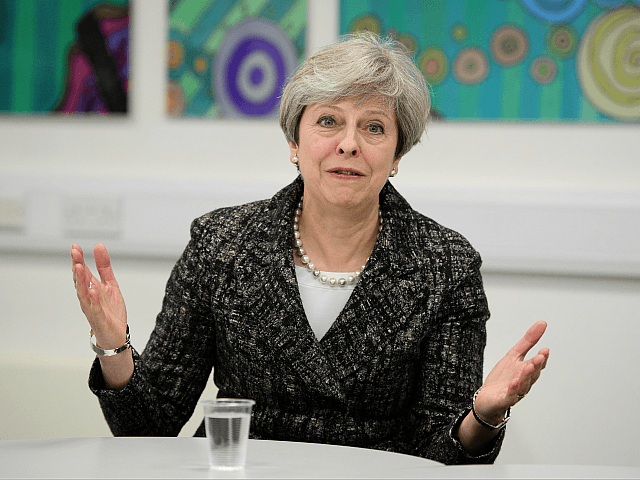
<point x="322" y="303"/>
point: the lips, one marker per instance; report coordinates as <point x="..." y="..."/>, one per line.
<point x="339" y="171"/>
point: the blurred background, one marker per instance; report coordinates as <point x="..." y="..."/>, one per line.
<point x="550" y="195"/>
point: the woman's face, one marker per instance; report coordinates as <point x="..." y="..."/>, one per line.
<point x="346" y="152"/>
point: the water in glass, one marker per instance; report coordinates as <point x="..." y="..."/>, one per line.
<point x="227" y="434"/>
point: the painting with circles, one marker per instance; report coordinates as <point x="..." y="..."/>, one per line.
<point x="517" y="60"/>
<point x="231" y="58"/>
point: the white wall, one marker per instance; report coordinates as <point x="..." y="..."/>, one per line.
<point x="584" y="409"/>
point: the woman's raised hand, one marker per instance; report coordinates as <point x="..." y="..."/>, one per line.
<point x="512" y="377"/>
<point x="507" y="383"/>
<point x="100" y="301"/>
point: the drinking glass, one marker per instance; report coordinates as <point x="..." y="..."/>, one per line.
<point x="227" y="422"/>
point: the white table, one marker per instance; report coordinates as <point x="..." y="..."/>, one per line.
<point x="185" y="457"/>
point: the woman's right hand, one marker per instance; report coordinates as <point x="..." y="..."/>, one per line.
<point x="103" y="305"/>
<point x="100" y="301"/>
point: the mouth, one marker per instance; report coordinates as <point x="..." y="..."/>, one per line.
<point x="348" y="172"/>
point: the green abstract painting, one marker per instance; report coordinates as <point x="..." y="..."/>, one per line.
<point x="231" y="58"/>
<point x="523" y="60"/>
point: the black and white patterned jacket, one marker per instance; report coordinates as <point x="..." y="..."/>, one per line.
<point x="396" y="371"/>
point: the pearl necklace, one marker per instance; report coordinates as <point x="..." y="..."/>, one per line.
<point x="304" y="258"/>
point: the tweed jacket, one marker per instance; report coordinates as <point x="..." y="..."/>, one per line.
<point x="396" y="371"/>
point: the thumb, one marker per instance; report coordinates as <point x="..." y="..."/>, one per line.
<point x="533" y="335"/>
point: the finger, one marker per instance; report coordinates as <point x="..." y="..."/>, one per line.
<point x="85" y="282"/>
<point x="103" y="264"/>
<point x="546" y="359"/>
<point x="97" y="316"/>
<point x="77" y="257"/>
<point x="517" y="389"/>
<point x="518" y="379"/>
<point x="82" y="283"/>
<point x="541" y="358"/>
<point x="535" y="375"/>
<point x="540" y="362"/>
<point x="89" y="291"/>
<point x="523" y="380"/>
<point x="530" y="338"/>
<point x="531" y="373"/>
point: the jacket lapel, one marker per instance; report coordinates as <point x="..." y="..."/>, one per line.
<point x="282" y="317"/>
<point x="383" y="301"/>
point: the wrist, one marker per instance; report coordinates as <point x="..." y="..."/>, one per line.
<point x="493" y="421"/>
<point x="108" y="352"/>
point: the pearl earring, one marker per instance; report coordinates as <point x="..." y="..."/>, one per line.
<point x="294" y="160"/>
<point x="393" y="173"/>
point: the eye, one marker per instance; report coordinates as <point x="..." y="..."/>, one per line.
<point x="326" y="121"/>
<point x="375" y="128"/>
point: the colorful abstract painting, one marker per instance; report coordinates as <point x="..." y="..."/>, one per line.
<point x="527" y="60"/>
<point x="231" y="58"/>
<point x="67" y="56"/>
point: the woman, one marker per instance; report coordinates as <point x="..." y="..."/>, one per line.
<point x="349" y="317"/>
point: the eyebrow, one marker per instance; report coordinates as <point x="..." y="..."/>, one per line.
<point x="377" y="112"/>
<point x="367" y="112"/>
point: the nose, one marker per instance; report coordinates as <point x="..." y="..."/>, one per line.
<point x="348" y="144"/>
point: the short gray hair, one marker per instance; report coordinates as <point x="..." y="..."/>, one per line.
<point x="360" y="66"/>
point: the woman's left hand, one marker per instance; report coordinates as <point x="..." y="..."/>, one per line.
<point x="512" y="377"/>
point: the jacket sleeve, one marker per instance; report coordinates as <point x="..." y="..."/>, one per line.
<point x="451" y="371"/>
<point x="171" y="373"/>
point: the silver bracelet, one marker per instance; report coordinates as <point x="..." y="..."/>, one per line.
<point x="108" y="353"/>
<point x="502" y="424"/>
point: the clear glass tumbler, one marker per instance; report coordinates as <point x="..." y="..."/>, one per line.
<point x="227" y="422"/>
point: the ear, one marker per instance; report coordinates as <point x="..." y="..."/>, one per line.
<point x="293" y="148"/>
<point x="396" y="162"/>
